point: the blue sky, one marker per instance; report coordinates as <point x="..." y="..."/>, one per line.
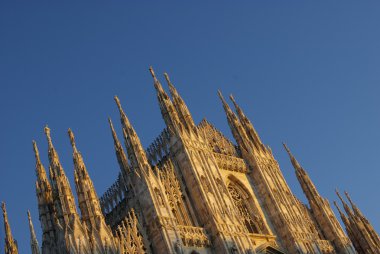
<point x="305" y="72"/>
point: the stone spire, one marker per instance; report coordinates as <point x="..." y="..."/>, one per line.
<point x="353" y="205"/>
<point x="120" y="154"/>
<point x="46" y="209"/>
<point x="87" y="197"/>
<point x="62" y="193"/>
<point x="342" y="216"/>
<point x="40" y="170"/>
<point x="10" y="243"/>
<point x="135" y="151"/>
<point x="42" y="184"/>
<point x="168" y="111"/>
<point x="236" y="127"/>
<point x="33" y="239"/>
<point x="345" y="206"/>
<point x="375" y="237"/>
<point x="307" y="185"/>
<point x="321" y="210"/>
<point x="349" y="231"/>
<point x="248" y="126"/>
<point x="89" y="205"/>
<point x="363" y="236"/>
<point x="179" y="104"/>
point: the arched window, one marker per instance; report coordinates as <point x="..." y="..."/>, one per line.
<point x="242" y="207"/>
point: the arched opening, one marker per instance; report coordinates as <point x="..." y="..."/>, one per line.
<point x="241" y="201"/>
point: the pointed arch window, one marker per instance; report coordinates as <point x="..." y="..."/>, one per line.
<point x="240" y="203"/>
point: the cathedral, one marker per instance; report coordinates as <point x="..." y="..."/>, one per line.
<point x="192" y="191"/>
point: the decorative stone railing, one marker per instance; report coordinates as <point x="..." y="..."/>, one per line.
<point x="193" y="236"/>
<point x="231" y="163"/>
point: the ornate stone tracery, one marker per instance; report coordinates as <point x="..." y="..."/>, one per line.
<point x="191" y="191"/>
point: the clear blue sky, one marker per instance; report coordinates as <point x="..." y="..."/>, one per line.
<point x="305" y="72"/>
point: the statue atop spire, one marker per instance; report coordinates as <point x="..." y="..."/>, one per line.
<point x="10" y="243"/>
<point x="33" y="239"/>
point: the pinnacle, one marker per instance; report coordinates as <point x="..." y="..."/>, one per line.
<point x="286" y="148"/>
<point x="72" y="139"/>
<point x="152" y="72"/>
<point x="118" y="103"/>
<point x="3" y="207"/>
<point x="47" y="133"/>
<point x="36" y="152"/>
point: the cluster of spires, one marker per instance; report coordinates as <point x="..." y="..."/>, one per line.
<point x="357" y="226"/>
<point x="65" y="217"/>
<point x="359" y="229"/>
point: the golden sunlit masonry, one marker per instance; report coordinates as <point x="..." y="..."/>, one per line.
<point x="191" y="191"/>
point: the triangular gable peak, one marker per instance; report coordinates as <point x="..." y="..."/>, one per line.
<point x="218" y="142"/>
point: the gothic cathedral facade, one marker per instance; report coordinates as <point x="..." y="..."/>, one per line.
<point x="191" y="191"/>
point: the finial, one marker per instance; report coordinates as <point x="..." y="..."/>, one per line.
<point x="118" y="103"/>
<point x="36" y="152"/>
<point x="221" y="97"/>
<point x="152" y="72"/>
<point x="47" y="133"/>
<point x="168" y="80"/>
<point x="287" y="149"/>
<point x="29" y="217"/>
<point x="72" y="139"/>
<point x="343" y="202"/>
<point x="339" y="196"/>
<point x="226" y="107"/>
<point x="157" y="84"/>
<point x="350" y="200"/>
<point x="234" y="102"/>
<point x="112" y="129"/>
<point x="4" y="208"/>
<point x="348" y="196"/>
<point x="167" y="77"/>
